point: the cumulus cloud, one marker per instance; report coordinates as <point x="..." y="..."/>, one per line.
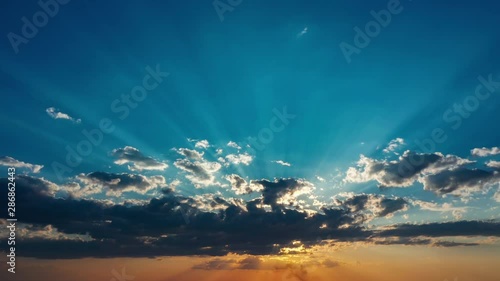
<point x="137" y="161"/>
<point x="393" y="145"/>
<point x="236" y="159"/>
<point x="283" y="191"/>
<point x="233" y="145"/>
<point x="116" y="184"/>
<point x="202" y="144"/>
<point x="240" y="186"/>
<point x="200" y="173"/>
<point x="438" y="173"/>
<point x="282" y="163"/>
<point x="190" y="153"/>
<point x="483" y="152"/>
<point x="493" y="164"/>
<point x="461" y="181"/>
<point x="158" y="227"/>
<point x="56" y="114"/>
<point x="375" y="205"/>
<point x="11" y="162"/>
<point x="403" y="172"/>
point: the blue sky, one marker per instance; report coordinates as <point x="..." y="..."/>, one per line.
<point x="226" y="81"/>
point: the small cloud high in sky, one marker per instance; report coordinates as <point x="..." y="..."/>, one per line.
<point x="250" y="140"/>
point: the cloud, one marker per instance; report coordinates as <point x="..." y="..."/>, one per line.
<point x="493" y="164"/>
<point x="329" y="263"/>
<point x="413" y="241"/>
<point x="137" y="160"/>
<point x="240" y="186"/>
<point x="443" y="208"/>
<point x="282" y="163"/>
<point x="303" y="32"/>
<point x="11" y="162"/>
<point x="438" y="173"/>
<point x="201" y="173"/>
<point x="460" y="181"/>
<point x="236" y="159"/>
<point x="202" y="144"/>
<point x="496" y="196"/>
<point x="283" y="191"/>
<point x="483" y="152"/>
<point x="393" y="145"/>
<point x="158" y="227"/>
<point x="402" y="172"/>
<point x="442" y="229"/>
<point x="376" y="205"/>
<point x="248" y="263"/>
<point x="56" y="114"/>
<point x="190" y="153"/>
<point x="233" y="145"/>
<point x="116" y="184"/>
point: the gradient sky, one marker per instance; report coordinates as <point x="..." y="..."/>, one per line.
<point x="259" y="149"/>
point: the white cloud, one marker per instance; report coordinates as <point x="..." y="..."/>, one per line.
<point x="236" y="159"/>
<point x="240" y="186"/>
<point x="56" y="114"/>
<point x="483" y="152"/>
<point x="201" y="173"/>
<point x="137" y="160"/>
<point x="282" y="163"/>
<point x="202" y="144"/>
<point x="320" y="179"/>
<point x="303" y="32"/>
<point x="493" y="164"/>
<point x="11" y="162"/>
<point x="190" y="153"/>
<point x="233" y="144"/>
<point x="393" y="145"/>
<point x="497" y="195"/>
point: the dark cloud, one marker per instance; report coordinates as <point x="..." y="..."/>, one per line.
<point x="461" y="180"/>
<point x="273" y="191"/>
<point x="458" y="228"/>
<point x="240" y="186"/>
<point x="249" y="263"/>
<point x="160" y="227"/>
<point x="378" y="205"/>
<point x="115" y="184"/>
<point x="418" y="241"/>
<point x="437" y="172"/>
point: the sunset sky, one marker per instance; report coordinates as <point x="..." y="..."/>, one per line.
<point x="251" y="140"/>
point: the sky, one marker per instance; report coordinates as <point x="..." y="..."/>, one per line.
<point x="257" y="140"/>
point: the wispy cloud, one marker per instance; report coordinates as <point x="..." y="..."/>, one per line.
<point x="136" y="159"/>
<point x="56" y="114"/>
<point x="11" y="162"/>
<point x="282" y="163"/>
<point x="302" y="33"/>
